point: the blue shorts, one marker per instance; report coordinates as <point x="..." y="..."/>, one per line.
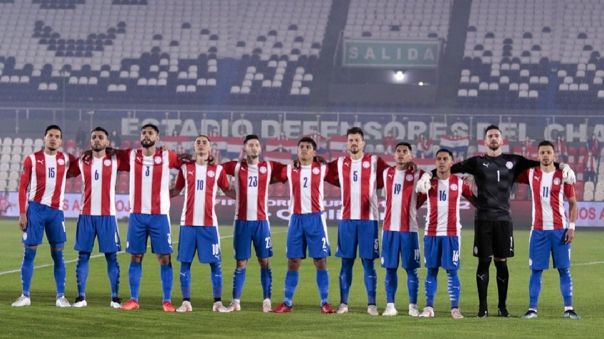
<point x="203" y="239"/>
<point x="363" y="233"/>
<point x="542" y="243"/>
<point x="403" y="245"/>
<point x="103" y="226"/>
<point x="157" y="226"/>
<point x="442" y="251"/>
<point x="307" y="230"/>
<point x="40" y="219"/>
<point x="247" y="232"/>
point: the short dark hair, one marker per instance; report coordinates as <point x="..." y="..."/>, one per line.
<point x="490" y="127"/>
<point x="154" y="127"/>
<point x="404" y="143"/>
<point x="49" y="127"/>
<point x="308" y="140"/>
<point x="546" y="143"/>
<point x="100" y="129"/>
<point x="250" y="137"/>
<point x="355" y="130"/>
<point x="446" y="151"/>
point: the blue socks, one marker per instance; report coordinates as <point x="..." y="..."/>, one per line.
<point x="391" y="284"/>
<point x="266" y="279"/>
<point x="431" y="285"/>
<point x="412" y="285"/>
<point x="238" y="281"/>
<point x="216" y="272"/>
<point x="59" y="268"/>
<point x="82" y="272"/>
<point x="370" y="280"/>
<point x="453" y="287"/>
<point x="566" y="286"/>
<point x="534" y="288"/>
<point x="323" y="285"/>
<point x="291" y="281"/>
<point x="27" y="269"/>
<point x="166" y="281"/>
<point x="113" y="272"/>
<point x="185" y="280"/>
<point x="345" y="279"/>
<point x="134" y="275"/>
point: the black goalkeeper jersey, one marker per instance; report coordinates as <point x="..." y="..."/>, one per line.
<point x="495" y="177"/>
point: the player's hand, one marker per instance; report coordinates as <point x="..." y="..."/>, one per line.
<point x="570" y="236"/>
<point x="110" y="151"/>
<point x="319" y="159"/>
<point x="23" y="222"/>
<point x="423" y="184"/>
<point x="86" y="155"/>
<point x="410" y="166"/>
<point x="568" y="175"/>
<point x="211" y="160"/>
<point x="174" y="192"/>
<point x="297" y="164"/>
<point x="186" y="158"/>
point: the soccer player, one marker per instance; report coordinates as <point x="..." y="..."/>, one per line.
<point x="443" y="232"/>
<point x="97" y="214"/>
<point x="307" y="223"/>
<point x="358" y="175"/>
<point x="41" y="192"/>
<point x="399" y="231"/>
<point x="494" y="174"/>
<point x="252" y="178"/>
<point x="551" y="231"/>
<point x="149" y="207"/>
<point x="198" y="223"/>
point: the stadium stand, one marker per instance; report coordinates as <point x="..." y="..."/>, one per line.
<point x="134" y="50"/>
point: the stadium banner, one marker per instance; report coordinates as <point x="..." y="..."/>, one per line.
<point x="591" y="214"/>
<point x="390" y="54"/>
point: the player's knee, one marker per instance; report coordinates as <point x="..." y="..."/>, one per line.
<point x="484" y="263"/>
<point x="241" y="263"/>
<point x="500" y="260"/>
<point x="58" y="247"/>
<point x="136" y="258"/>
<point x="164" y="259"/>
<point x="264" y="262"/>
<point x="321" y="264"/>
<point x="31" y="248"/>
<point x="293" y="264"/>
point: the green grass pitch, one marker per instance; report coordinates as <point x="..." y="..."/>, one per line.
<point x="43" y="319"/>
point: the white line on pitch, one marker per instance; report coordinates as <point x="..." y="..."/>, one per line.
<point x="98" y="256"/>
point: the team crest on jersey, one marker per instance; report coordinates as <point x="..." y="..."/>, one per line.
<point x="509" y="165"/>
<point x="409" y="177"/>
<point x="107" y="162"/>
<point x="61" y="162"/>
<point x="211" y="174"/>
<point x="453" y="187"/>
<point x="157" y="159"/>
<point x="316" y="171"/>
<point x="366" y="164"/>
<point x="262" y="169"/>
<point x="556" y="181"/>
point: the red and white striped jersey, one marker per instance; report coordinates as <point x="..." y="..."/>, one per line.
<point x="43" y="179"/>
<point x="402" y="201"/>
<point x="358" y="181"/>
<point x="306" y="187"/>
<point x="442" y="218"/>
<point x="99" y="176"/>
<point x="547" y="191"/>
<point x="150" y="181"/>
<point x="251" y="187"/>
<point x="200" y="183"/>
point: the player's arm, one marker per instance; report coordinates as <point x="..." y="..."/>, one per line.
<point x="229" y="167"/>
<point x="467" y="166"/>
<point x="523" y="178"/>
<point x="382" y="166"/>
<point x="332" y="173"/>
<point x="73" y="170"/>
<point x="569" y="192"/>
<point x="123" y="159"/>
<point x="179" y="184"/>
<point x="227" y="189"/>
<point x="278" y="173"/>
<point x="466" y="192"/>
<point x="23" y="185"/>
